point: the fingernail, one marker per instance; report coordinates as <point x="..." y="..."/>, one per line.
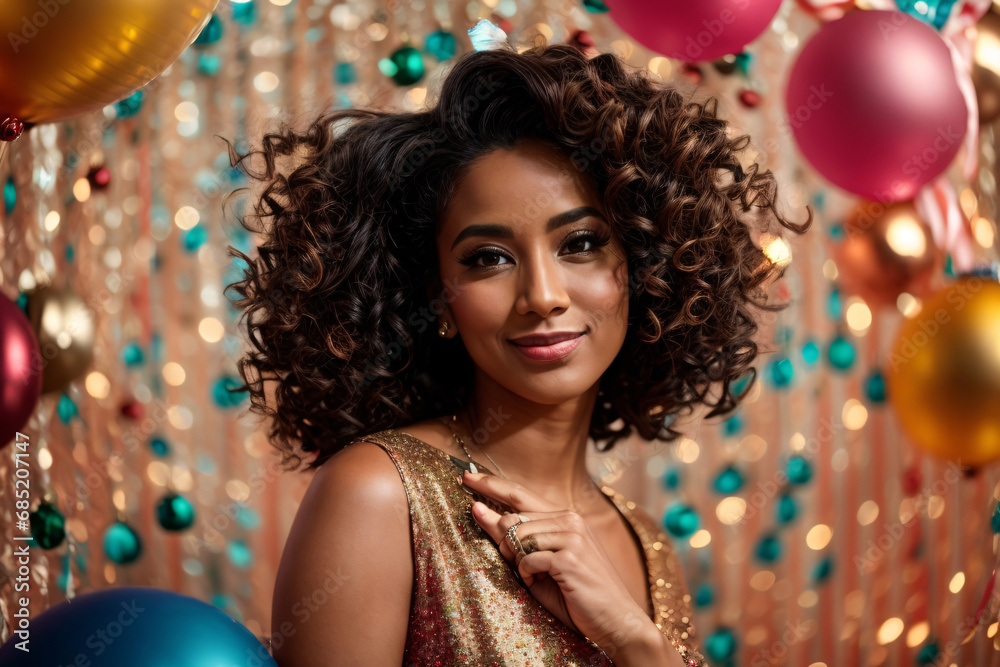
<point x="460" y="480"/>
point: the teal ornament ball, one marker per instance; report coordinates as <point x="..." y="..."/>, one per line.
<point x="9" y="195"/>
<point x="822" y="570"/>
<point x="729" y="481"/>
<point x="441" y="44"/>
<point x="132" y="355"/>
<point x="595" y="6"/>
<point x="810" y="353"/>
<point x="841" y="353"/>
<point x="224" y="392"/>
<point x="786" y="510"/>
<point x="405" y="66"/>
<point x="768" y="548"/>
<point x="174" y="512"/>
<point x="121" y="543"/>
<point x="211" y="33"/>
<point x="799" y="471"/>
<point x="209" y="64"/>
<point x="934" y="13"/>
<point x="159" y="446"/>
<point x="721" y="645"/>
<point x="995" y="520"/>
<point x="344" y="73"/>
<point x="704" y="596"/>
<point x="732" y="426"/>
<point x="875" y="387"/>
<point x="129" y="106"/>
<point x="244" y="11"/>
<point x="681" y="520"/>
<point x="671" y="479"/>
<point x="66" y="409"/>
<point x="195" y="238"/>
<point x="48" y="526"/>
<point x="239" y="554"/>
<point x="781" y="372"/>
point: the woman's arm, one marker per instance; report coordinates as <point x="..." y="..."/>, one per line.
<point x="343" y="588"/>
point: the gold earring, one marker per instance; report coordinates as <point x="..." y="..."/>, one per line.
<point x="443" y="331"/>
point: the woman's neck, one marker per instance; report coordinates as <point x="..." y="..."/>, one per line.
<point x="541" y="447"/>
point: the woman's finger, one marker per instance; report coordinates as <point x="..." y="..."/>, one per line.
<point x="508" y="492"/>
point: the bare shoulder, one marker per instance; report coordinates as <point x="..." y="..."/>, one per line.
<point x="343" y="587"/>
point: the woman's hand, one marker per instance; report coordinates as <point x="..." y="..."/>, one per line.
<point x="568" y="572"/>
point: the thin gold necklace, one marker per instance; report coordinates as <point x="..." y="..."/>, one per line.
<point x="461" y="442"/>
<point x="472" y="464"/>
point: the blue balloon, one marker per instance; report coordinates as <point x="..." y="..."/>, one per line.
<point x="138" y="626"/>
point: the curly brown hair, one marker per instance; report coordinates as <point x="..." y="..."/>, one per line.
<point x="337" y="303"/>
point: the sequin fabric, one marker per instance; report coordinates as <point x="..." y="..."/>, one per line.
<point x="470" y="605"/>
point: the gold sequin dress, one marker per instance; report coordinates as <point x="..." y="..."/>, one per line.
<point x="470" y="605"/>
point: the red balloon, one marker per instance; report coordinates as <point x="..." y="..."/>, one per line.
<point x="693" y="30"/>
<point x="20" y="370"/>
<point x="875" y="106"/>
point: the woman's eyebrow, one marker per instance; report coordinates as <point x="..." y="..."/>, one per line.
<point x="502" y="231"/>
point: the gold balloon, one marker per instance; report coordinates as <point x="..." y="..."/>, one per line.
<point x="986" y="66"/>
<point x="66" y="57"/>
<point x="887" y="250"/>
<point x="943" y="373"/>
<point x="65" y="327"/>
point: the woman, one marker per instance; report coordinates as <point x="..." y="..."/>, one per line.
<point x="552" y="253"/>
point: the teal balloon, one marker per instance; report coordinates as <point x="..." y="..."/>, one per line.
<point x="9" y="195"/>
<point x="211" y="33"/>
<point x="66" y="409"/>
<point x="810" y="353"/>
<point x="595" y="6"/>
<point x="681" y="520"/>
<point x="875" y="387"/>
<point x="721" y="645"/>
<point x="48" y="526"/>
<point x="405" y="66"/>
<point x="138" y="626"/>
<point x="781" y="372"/>
<point x="786" y="510"/>
<point x="441" y="44"/>
<point x="704" y="596"/>
<point x="729" y="481"/>
<point x="799" y="471"/>
<point x="841" y="353"/>
<point x="174" y="512"/>
<point x="129" y="106"/>
<point x="121" y="543"/>
<point x="223" y="394"/>
<point x="768" y="548"/>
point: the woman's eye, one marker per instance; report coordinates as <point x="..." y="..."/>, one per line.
<point x="490" y="258"/>
<point x="577" y="244"/>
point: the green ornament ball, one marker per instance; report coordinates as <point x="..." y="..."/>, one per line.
<point x="121" y="543"/>
<point x="174" y="512"/>
<point x="48" y="526"/>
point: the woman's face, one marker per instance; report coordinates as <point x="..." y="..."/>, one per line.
<point x="525" y="249"/>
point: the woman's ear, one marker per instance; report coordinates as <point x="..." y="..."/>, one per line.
<point x="439" y="298"/>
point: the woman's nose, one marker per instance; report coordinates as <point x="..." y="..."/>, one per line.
<point x="541" y="287"/>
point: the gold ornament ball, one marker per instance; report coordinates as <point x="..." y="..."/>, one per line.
<point x="986" y="66"/>
<point x="943" y="373"/>
<point x="66" y="57"/>
<point x="65" y="328"/>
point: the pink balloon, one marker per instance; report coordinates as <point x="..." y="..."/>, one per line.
<point x="875" y="106"/>
<point x="20" y="370"/>
<point x="693" y="30"/>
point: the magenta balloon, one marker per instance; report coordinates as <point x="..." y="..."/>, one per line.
<point x="874" y="104"/>
<point x="693" y="30"/>
<point x="20" y="370"/>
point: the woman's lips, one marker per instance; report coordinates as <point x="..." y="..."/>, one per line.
<point x="549" y="352"/>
